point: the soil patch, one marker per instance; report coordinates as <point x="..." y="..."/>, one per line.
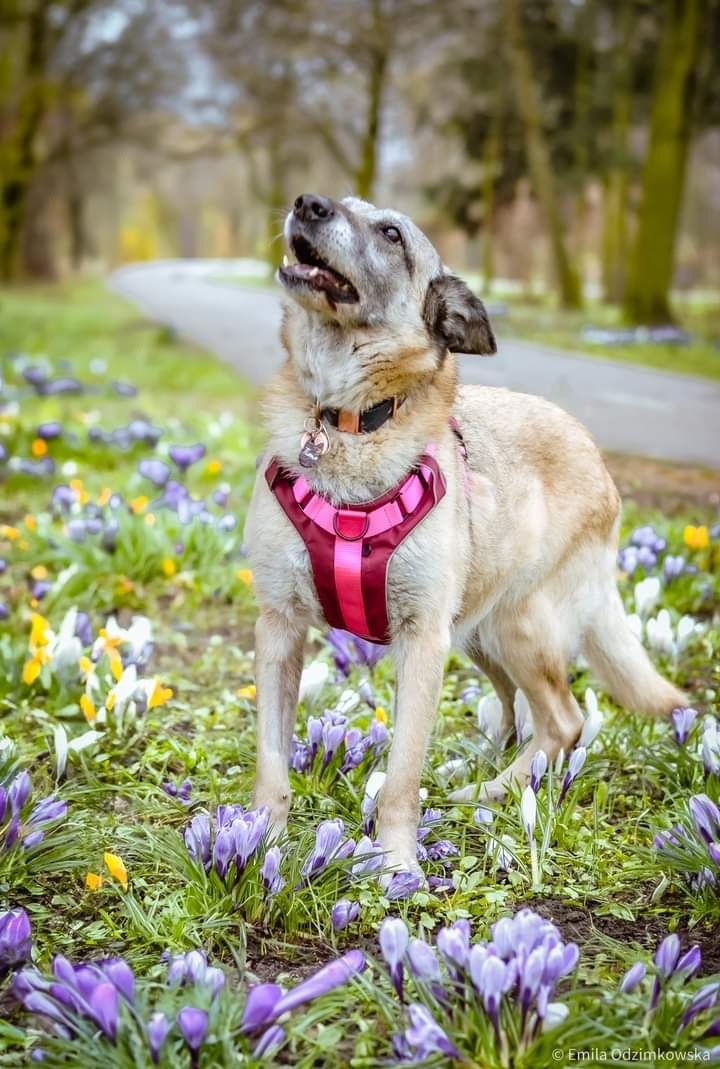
<point x="657" y="484"/>
<point x="582" y="926"/>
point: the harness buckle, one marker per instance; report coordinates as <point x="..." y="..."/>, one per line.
<point x="351" y="525"/>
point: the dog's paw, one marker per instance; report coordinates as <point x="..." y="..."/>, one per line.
<point x="464" y="794"/>
<point x="494" y="790"/>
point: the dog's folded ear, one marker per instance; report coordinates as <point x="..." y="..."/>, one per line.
<point x="456" y="318"/>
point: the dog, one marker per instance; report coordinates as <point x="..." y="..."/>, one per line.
<point x="514" y="563"/>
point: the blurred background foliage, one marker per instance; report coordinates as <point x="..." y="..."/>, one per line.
<point x="566" y="147"/>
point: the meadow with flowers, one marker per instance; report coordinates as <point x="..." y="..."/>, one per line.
<point x="147" y="919"/>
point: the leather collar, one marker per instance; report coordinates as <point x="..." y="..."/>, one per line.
<point x="371" y="419"/>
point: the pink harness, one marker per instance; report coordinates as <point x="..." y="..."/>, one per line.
<point x="350" y="547"/>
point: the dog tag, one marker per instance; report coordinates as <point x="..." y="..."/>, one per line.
<point x="312" y="446"/>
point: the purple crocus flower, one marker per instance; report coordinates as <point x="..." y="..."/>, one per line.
<point x="157" y="1030"/>
<point x="714" y="852"/>
<point x="193" y="1025"/>
<point x="49" y="431"/>
<point x="186" y="455"/>
<point x="197" y="839"/>
<point x="332" y="735"/>
<point x="15" y="939"/>
<point x="4" y="611"/>
<point x="344" y="912"/>
<point x="223" y="851"/>
<point x="682" y="720"/>
<point x="425" y="1036"/>
<point x="634" y="976"/>
<point x="702" y="1000"/>
<point x="423" y="962"/>
<point x="328" y="840"/>
<point x="666" y="958"/>
<point x="260" y="1007"/>
<point x="326" y="979"/>
<point x="379" y="736"/>
<point x="368" y="857"/>
<point x="706" y="817"/>
<point x="453" y="942"/>
<point x="104" y="1008"/>
<point x="47" y="809"/>
<point x="673" y="567"/>
<point x="538" y="768"/>
<point x="403" y="884"/>
<point x="394" y="939"/>
<point x="441" y="850"/>
<point x="628" y="560"/>
<point x="249" y="830"/>
<point x="689" y="963"/>
<point x="299" y="755"/>
<point x="350" y="651"/>
<point x="270" y="871"/>
<point x="83" y="628"/>
<point x="221" y="496"/>
<point x="575" y="765"/>
<point x="155" y="470"/>
<point x="646" y="558"/>
<point x="269" y="1042"/>
<point x="266" y="1002"/>
<point x="19" y="791"/>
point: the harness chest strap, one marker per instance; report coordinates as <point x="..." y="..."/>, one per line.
<point x="350" y="547"/>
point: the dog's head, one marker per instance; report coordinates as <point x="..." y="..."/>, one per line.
<point x="367" y="267"/>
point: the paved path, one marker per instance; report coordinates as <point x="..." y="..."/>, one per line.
<point x="628" y="409"/>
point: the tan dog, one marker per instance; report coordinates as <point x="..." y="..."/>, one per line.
<point x="515" y="565"/>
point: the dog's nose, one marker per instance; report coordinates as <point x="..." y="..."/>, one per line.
<point x="311" y="208"/>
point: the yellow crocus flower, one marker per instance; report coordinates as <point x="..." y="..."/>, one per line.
<point x="93" y="881"/>
<point x="159" y="695"/>
<point x="139" y="504"/>
<point x="245" y="575"/>
<point x="116" y="868"/>
<point x="6" y="531"/>
<point x="88" y="707"/>
<point x="696" y="537"/>
<point x="381" y="714"/>
<point x="169" y="567"/>
<point x="31" y="670"/>
<point x="39" y="447"/>
<point x="249" y="692"/>
<point x="214" y="467"/>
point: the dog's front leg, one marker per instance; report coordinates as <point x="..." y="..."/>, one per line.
<point x="420" y="661"/>
<point x="278" y="666"/>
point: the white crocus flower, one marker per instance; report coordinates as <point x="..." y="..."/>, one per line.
<point x="374" y="784"/>
<point x="66" y="648"/>
<point x="347" y="701"/>
<point x="88" y="738"/>
<point x="593" y="721"/>
<point x="647" y="595"/>
<point x="124" y="688"/>
<point x="138" y="636"/>
<point x="523" y="717"/>
<point x="687" y="627"/>
<point x="660" y="635"/>
<point x="489" y="717"/>
<point x="60" y="741"/>
<point x="312" y="680"/>
<point x="505" y="858"/>
<point x="528" y="811"/>
<point x="555" y="1014"/>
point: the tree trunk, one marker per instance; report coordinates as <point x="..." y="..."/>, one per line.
<point x="539" y="163"/>
<point x="275" y="204"/>
<point x="616" y="183"/>
<point x="19" y="151"/>
<point x="490" y="163"/>
<point x="367" y="168"/>
<point x="647" y="299"/>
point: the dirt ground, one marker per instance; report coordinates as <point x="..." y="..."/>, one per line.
<point x="672" y="488"/>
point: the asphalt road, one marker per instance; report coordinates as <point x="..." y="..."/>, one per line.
<point x="627" y="409"/>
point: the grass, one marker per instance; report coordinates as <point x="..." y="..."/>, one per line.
<point x="599" y="878"/>
<point x="539" y="321"/>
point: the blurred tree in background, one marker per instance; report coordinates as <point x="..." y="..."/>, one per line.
<point x="573" y="144"/>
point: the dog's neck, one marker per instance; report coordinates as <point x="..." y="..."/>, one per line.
<point x="331" y="370"/>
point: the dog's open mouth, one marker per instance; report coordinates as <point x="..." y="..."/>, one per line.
<point x="313" y="271"/>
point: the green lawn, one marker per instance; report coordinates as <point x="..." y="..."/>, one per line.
<point x="114" y="726"/>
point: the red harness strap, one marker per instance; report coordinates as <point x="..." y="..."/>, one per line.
<point x="350" y="547"/>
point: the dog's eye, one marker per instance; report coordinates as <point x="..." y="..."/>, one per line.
<point x="392" y="234"/>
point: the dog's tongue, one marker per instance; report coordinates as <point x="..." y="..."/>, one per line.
<point x="316" y="275"/>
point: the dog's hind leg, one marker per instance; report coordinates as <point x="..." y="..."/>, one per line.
<point x="278" y="665"/>
<point x="420" y="661"/>
<point x="535" y="658"/>
<point x="501" y="681"/>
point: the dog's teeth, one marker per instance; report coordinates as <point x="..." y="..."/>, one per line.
<point x="285" y="262"/>
<point x="313" y="272"/>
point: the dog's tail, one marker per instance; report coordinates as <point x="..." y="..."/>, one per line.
<point x="618" y="658"/>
